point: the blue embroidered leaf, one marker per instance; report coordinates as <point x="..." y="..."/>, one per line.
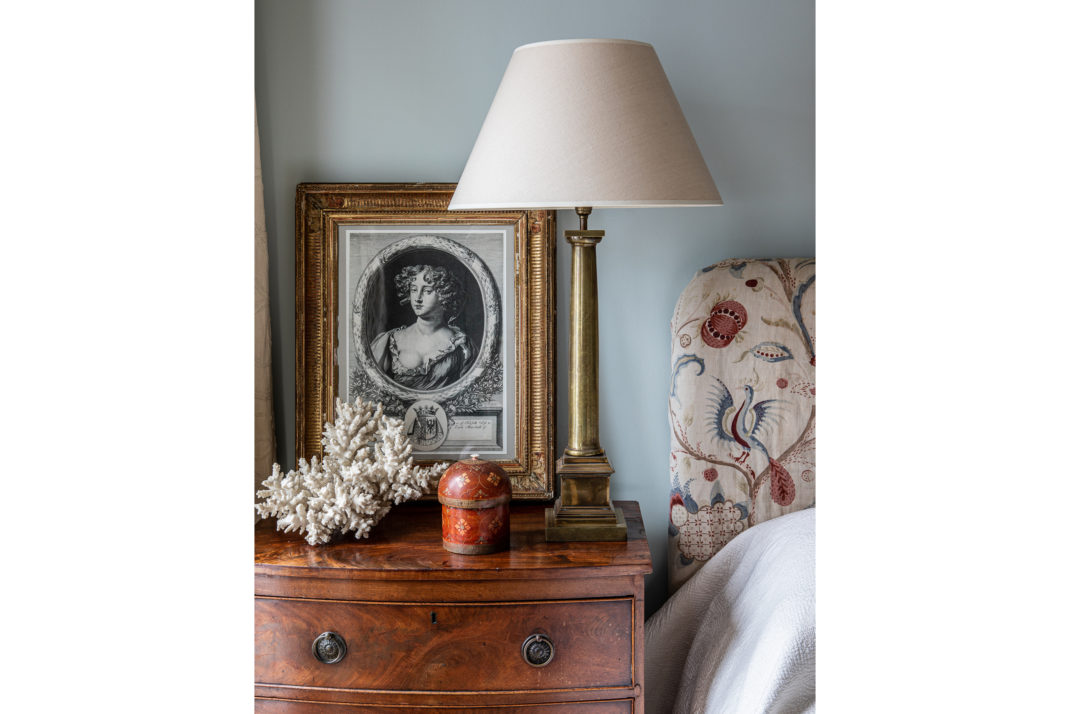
<point x="717" y="498"/>
<point x="743" y="511"/>
<point x="771" y="352"/>
<point x="681" y="362"/>
<point x="690" y="505"/>
<point x="686" y="561"/>
<point x="796" y="307"/>
<point x="673" y="530"/>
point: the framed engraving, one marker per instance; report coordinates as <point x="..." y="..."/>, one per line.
<point x="445" y="317"/>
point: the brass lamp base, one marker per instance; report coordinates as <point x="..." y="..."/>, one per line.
<point x="584" y="512"/>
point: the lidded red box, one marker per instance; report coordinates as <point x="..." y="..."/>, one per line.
<point x="475" y="498"/>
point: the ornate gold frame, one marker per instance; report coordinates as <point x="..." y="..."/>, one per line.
<point x="322" y="207"/>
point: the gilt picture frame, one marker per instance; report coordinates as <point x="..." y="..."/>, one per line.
<point x="445" y="317"/>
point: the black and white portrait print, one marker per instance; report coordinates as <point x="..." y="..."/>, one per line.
<point x="427" y="329"/>
<point x="425" y="335"/>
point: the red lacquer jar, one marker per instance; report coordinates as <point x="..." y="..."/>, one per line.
<point x="475" y="507"/>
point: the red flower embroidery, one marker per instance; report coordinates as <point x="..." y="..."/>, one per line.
<point x="726" y="319"/>
<point x="710" y="474"/>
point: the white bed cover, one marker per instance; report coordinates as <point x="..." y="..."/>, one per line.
<point x="739" y="636"/>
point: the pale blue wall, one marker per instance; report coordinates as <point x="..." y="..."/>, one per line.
<point x="396" y="90"/>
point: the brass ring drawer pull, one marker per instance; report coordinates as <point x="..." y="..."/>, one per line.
<point x="538" y="650"/>
<point x="329" y="648"/>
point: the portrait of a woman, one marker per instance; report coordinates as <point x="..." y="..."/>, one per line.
<point x="433" y="351"/>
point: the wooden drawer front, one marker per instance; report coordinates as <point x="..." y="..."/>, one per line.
<point x="279" y="706"/>
<point x="466" y="648"/>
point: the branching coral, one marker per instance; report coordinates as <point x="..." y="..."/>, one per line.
<point x="367" y="467"/>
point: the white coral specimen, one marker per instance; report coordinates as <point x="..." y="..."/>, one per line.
<point x="367" y="467"/>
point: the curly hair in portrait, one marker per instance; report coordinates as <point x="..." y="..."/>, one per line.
<point x="449" y="289"/>
<point x="430" y="352"/>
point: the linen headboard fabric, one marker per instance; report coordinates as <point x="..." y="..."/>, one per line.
<point x="741" y="404"/>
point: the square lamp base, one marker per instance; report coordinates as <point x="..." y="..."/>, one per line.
<point x="561" y="530"/>
<point x="584" y="512"/>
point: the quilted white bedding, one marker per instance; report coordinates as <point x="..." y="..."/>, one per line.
<point x="739" y="636"/>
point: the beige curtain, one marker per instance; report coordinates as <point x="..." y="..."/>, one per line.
<point x="264" y="429"/>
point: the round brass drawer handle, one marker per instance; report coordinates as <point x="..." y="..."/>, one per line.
<point x="329" y="648"/>
<point x="538" y="650"/>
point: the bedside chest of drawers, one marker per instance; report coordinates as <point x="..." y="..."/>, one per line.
<point x="395" y="622"/>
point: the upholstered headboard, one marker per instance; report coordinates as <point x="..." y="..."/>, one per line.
<point x="741" y="404"/>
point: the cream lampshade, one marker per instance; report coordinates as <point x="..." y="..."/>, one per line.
<point x="608" y="133"/>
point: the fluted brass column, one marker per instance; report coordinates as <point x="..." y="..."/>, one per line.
<point x="583" y="346"/>
<point x="584" y="510"/>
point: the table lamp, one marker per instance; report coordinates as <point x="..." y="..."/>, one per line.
<point x="583" y="124"/>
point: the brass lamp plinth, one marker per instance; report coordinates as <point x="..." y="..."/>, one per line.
<point x="584" y="511"/>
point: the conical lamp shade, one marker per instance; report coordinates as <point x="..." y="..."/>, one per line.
<point x="585" y="123"/>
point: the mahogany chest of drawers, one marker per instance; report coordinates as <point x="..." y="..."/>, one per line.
<point x="395" y="622"/>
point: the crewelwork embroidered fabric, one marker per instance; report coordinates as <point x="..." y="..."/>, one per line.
<point x="741" y="404"/>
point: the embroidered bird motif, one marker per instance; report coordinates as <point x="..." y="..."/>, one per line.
<point x="747" y="427"/>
